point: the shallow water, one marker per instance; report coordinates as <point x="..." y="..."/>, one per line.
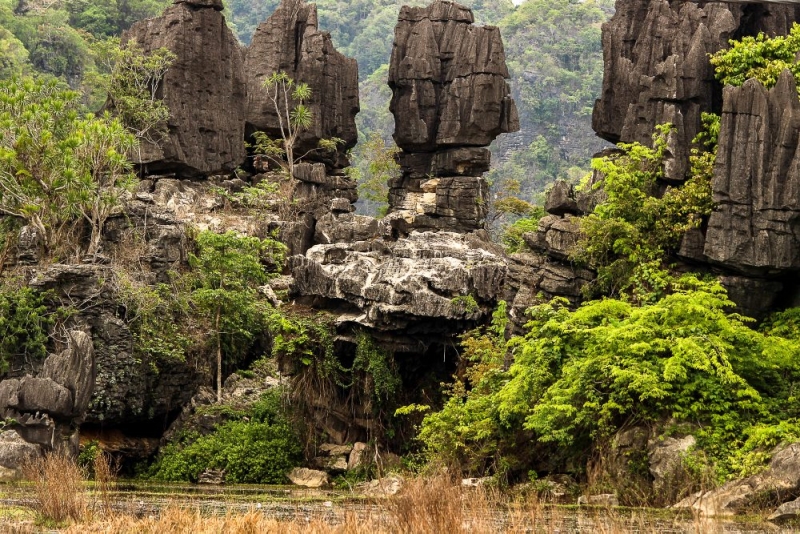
<point x="144" y="499"/>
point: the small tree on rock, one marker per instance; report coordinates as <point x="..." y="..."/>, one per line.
<point x="289" y="99"/>
<point x="228" y="270"/>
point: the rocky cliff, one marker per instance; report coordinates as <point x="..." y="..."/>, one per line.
<point x="204" y="90"/>
<point x="657" y="68"/>
<point x="291" y="42"/>
<point x="657" y="71"/>
<point x="450" y="99"/>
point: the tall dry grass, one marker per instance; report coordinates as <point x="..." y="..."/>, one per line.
<point x="59" y="493"/>
<point x="425" y="506"/>
<point x="105" y="477"/>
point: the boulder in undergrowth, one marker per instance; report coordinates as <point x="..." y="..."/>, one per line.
<point x="778" y="483"/>
<point x="382" y="487"/>
<point x="309" y="478"/>
<point x="15" y="451"/>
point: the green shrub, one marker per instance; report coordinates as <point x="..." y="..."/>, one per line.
<point x="25" y="324"/>
<point x="760" y="57"/>
<point x="627" y="237"/>
<point x="258" y="446"/>
<point x="579" y="376"/>
<point x="512" y="235"/>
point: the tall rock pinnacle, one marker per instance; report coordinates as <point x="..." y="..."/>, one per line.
<point x="450" y="100"/>
<point x="290" y="41"/>
<point x="204" y="89"/>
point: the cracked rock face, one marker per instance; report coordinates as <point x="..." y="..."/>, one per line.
<point x="291" y="42"/>
<point x="756" y="226"/>
<point x="657" y="68"/>
<point x="413" y="286"/>
<point x="450" y="99"/>
<point x="204" y="90"/>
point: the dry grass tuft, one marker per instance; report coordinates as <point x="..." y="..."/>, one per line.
<point x="59" y="494"/>
<point x="105" y="477"/>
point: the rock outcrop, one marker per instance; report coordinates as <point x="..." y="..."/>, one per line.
<point x="657" y="68"/>
<point x="450" y="99"/>
<point x="204" y="90"/>
<point x="46" y="409"/>
<point x="755" y="228"/>
<point x="779" y="483"/>
<point x="291" y="42"/>
<point x="399" y="287"/>
<point x="656" y="71"/>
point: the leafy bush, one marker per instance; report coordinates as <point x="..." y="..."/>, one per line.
<point x="512" y="236"/>
<point x="57" y="167"/>
<point x="579" y="376"/>
<point x="25" y="324"/>
<point x="258" y="447"/>
<point x="628" y="235"/>
<point x="760" y="57"/>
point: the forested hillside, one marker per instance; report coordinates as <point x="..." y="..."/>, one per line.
<point x="553" y="48"/>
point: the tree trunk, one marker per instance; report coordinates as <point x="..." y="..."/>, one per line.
<point x="219" y="359"/>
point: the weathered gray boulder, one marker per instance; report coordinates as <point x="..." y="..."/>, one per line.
<point x="204" y="90"/>
<point x="309" y="478"/>
<point x="556" y="236"/>
<point x="561" y="200"/>
<point x="29" y="245"/>
<point x="358" y="456"/>
<point x="534" y="278"/>
<point x="415" y="285"/>
<point x="458" y="204"/>
<point x="43" y="395"/>
<point x="779" y="482"/>
<point x="345" y="228"/>
<point x="657" y="68"/>
<point x="382" y="487"/>
<point x="666" y="459"/>
<point x="127" y="389"/>
<point x="15" y="452"/>
<point x="74" y="369"/>
<point x="290" y="41"/>
<point x="786" y="513"/>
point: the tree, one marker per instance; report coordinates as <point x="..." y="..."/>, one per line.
<point x="57" y="166"/>
<point x="289" y="98"/>
<point x="131" y="80"/>
<point x="376" y="167"/>
<point x="228" y="269"/>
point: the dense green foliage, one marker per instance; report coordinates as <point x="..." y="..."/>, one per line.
<point x="58" y="166"/>
<point x="256" y="445"/>
<point x="628" y="235"/>
<point x="759" y="57"/>
<point x="579" y="376"/>
<point x="25" y="323"/>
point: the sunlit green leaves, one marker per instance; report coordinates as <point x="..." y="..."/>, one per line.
<point x="57" y="166"/>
